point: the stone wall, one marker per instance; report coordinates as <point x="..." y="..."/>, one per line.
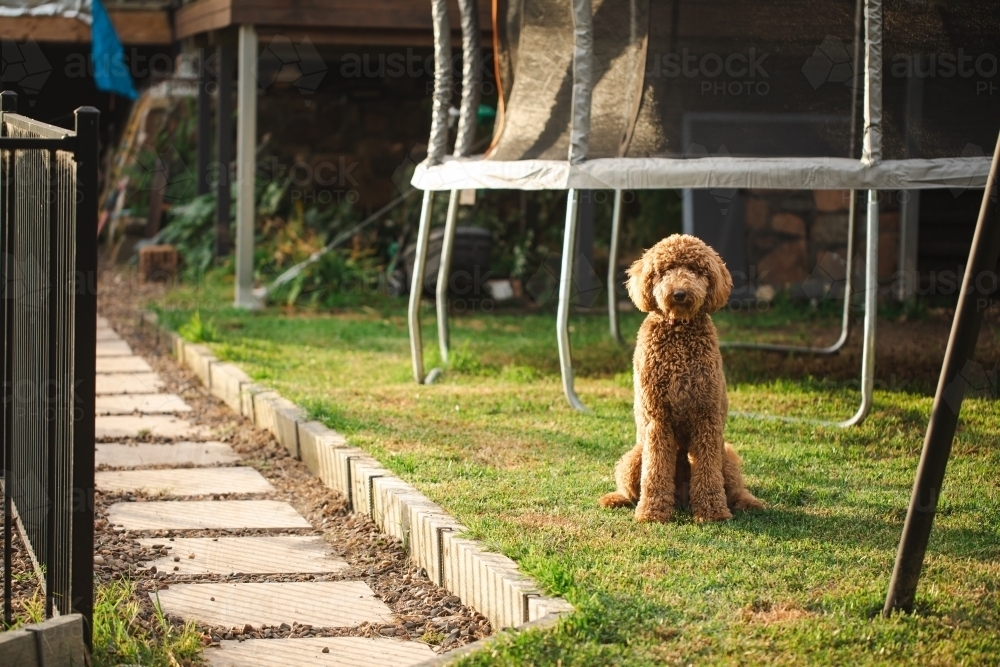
<point x="797" y="240"/>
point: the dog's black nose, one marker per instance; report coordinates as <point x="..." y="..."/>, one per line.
<point x="680" y="295"/>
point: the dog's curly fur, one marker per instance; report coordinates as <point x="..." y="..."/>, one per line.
<point x="680" y="391"/>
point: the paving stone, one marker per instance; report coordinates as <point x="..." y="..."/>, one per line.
<point x="126" y="404"/>
<point x="323" y="604"/>
<point x="128" y="383"/>
<point x="123" y="365"/>
<point x="102" y="322"/>
<point x="163" y="426"/>
<point x="204" y="514"/>
<point x="178" y="453"/>
<point x="285" y="554"/>
<point x="113" y="348"/>
<point x="308" y="652"/>
<point x="104" y="334"/>
<point x="184" y="481"/>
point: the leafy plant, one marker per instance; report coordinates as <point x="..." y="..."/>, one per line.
<point x="123" y="636"/>
<point x="190" y="231"/>
<point x="197" y="330"/>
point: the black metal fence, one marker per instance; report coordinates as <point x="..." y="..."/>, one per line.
<point x="48" y="236"/>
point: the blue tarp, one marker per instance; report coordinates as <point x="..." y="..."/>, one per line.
<point x="110" y="72"/>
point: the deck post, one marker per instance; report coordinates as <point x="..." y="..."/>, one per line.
<point x="246" y="152"/>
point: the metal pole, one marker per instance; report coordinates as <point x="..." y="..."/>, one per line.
<point x="204" y="127"/>
<point x="845" y="321"/>
<point x="565" y="294"/>
<point x="973" y="302"/>
<point x="616" y="219"/>
<point x="84" y="367"/>
<point x="444" y="273"/>
<point x="417" y="286"/>
<point x="871" y="154"/>
<point x="224" y="148"/>
<point x="465" y="139"/>
<point x="871" y="314"/>
<point x="246" y="154"/>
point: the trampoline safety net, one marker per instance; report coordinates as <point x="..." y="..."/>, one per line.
<point x="686" y="79"/>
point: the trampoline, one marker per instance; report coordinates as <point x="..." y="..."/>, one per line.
<point x="719" y="95"/>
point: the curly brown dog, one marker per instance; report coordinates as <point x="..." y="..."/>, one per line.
<point x="680" y="391"/>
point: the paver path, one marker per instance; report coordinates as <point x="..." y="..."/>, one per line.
<point x="131" y="404"/>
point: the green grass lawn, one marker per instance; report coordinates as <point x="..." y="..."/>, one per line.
<point x="496" y="445"/>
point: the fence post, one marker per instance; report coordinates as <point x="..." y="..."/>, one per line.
<point x="8" y="104"/>
<point x="84" y="367"/>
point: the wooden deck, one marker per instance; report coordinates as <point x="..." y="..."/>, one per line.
<point x="134" y="27"/>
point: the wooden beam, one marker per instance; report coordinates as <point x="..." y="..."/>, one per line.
<point x="391" y="18"/>
<point x="138" y="27"/>
<point x="354" y="37"/>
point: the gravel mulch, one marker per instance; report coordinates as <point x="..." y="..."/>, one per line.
<point x="26" y="589"/>
<point x="424" y="610"/>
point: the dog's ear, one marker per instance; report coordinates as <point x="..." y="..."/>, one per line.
<point x="720" y="283"/>
<point x="639" y="289"/>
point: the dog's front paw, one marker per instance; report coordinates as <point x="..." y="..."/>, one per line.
<point x="716" y="514"/>
<point x="746" y="501"/>
<point x="645" y="511"/>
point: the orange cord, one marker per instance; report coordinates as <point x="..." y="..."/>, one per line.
<point x="498" y="126"/>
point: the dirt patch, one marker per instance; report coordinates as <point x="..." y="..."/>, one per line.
<point x="767" y="613"/>
<point x="535" y="520"/>
<point x="908" y="353"/>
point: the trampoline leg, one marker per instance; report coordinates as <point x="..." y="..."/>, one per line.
<point x="845" y="324"/>
<point x="444" y="273"/>
<point x="417" y="286"/>
<point x="565" y="294"/>
<point x="616" y="219"/>
<point x="871" y="313"/>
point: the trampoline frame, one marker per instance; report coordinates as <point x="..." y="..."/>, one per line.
<point x="870" y="174"/>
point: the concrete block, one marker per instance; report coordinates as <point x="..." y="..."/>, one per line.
<point x="18" y="647"/>
<point x="61" y="642"/>
<point x="364" y="471"/>
<point x="178" y="346"/>
<point x="541" y="606"/>
<point x="316" y="445"/>
<point x="226" y="381"/>
<point x="199" y="359"/>
<point x="247" y="392"/>
<point x="342" y="471"/>
<point x="426" y="521"/>
<point x="279" y="416"/>
<point x="391" y="507"/>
